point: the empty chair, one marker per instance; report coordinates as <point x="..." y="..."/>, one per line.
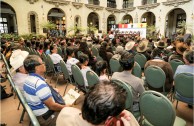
<point x="140" y="59"/>
<point x="184" y="88"/>
<point x="92" y="78"/>
<point x="175" y="63"/>
<point x="155" y="77"/>
<point x="157" y="110"/>
<point x="79" y="79"/>
<point x="136" y="71"/>
<point x="115" y="66"/>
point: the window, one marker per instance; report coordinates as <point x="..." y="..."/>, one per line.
<point x="33" y="23"/>
<point x="3" y="25"/>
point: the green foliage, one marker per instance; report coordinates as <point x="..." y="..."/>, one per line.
<point x="9" y="36"/>
<point x="121" y="22"/>
<point x="49" y="25"/>
<point x="151" y="32"/>
<point x="76" y="29"/>
<point x="91" y="29"/>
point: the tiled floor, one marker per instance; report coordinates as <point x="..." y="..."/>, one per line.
<point x="10" y="115"/>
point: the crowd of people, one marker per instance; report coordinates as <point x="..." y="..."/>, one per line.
<point x="106" y="99"/>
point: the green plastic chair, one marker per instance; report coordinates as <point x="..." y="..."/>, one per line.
<point x="6" y="64"/>
<point x="65" y="74"/>
<point x="115" y="66"/>
<point x="129" y="100"/>
<point x="99" y="58"/>
<point x="175" y="63"/>
<point x="92" y="78"/>
<point x="140" y="59"/>
<point x="95" y="51"/>
<point x="79" y="53"/>
<point x="157" y="110"/>
<point x="155" y="77"/>
<point x="59" y="51"/>
<point x="78" y="78"/>
<point x="136" y="71"/>
<point x="184" y="87"/>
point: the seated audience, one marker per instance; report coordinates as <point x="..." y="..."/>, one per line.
<point x="102" y="104"/>
<point x="142" y="48"/>
<point x="70" y="59"/>
<point x="16" y="61"/>
<point x="101" y="69"/>
<point x="127" y="63"/>
<point x="38" y="94"/>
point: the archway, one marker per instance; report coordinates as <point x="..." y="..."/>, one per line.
<point x="110" y="22"/>
<point x="148" y="18"/>
<point x="8" y="22"/>
<point x="174" y="20"/>
<point x="93" y="22"/>
<point x="127" y="19"/>
<point x="57" y="16"/>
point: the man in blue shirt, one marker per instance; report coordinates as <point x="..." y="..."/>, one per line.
<point x="38" y="94"/>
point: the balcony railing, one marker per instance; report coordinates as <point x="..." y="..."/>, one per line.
<point x="127" y="4"/>
<point x="111" y="4"/>
<point x="144" y="2"/>
<point x="94" y="2"/>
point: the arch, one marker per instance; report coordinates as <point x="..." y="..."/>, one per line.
<point x="93" y="20"/>
<point x="8" y="19"/>
<point x="127" y="19"/>
<point x="58" y="17"/>
<point x="111" y="20"/>
<point x="173" y="20"/>
<point x="149" y="18"/>
<point x="33" y="23"/>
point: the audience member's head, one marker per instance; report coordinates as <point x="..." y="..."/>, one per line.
<point x="104" y="100"/>
<point x="53" y="48"/>
<point x="101" y="66"/>
<point x="83" y="58"/>
<point x="127" y="61"/>
<point x="188" y="56"/>
<point x="70" y="51"/>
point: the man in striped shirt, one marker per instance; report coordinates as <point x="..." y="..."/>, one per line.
<point x="38" y="94"/>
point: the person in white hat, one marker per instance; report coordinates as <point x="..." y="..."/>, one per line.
<point x="16" y="61"/>
<point x="129" y="47"/>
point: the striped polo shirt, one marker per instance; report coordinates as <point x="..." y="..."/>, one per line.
<point x="36" y="91"/>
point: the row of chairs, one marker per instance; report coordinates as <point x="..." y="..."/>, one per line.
<point x="26" y="108"/>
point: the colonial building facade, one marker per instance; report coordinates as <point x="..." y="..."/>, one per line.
<point x="27" y="16"/>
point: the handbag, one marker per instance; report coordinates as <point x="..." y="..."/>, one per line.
<point x="56" y="96"/>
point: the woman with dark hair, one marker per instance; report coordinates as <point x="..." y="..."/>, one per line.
<point x="101" y="69"/>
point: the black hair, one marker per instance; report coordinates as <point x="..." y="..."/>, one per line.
<point x="100" y="66"/>
<point x="103" y="100"/>
<point x="156" y="52"/>
<point x="69" y="51"/>
<point x="127" y="61"/>
<point x="30" y="63"/>
<point x="189" y="56"/>
<point x="82" y="58"/>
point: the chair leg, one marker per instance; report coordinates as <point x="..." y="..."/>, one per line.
<point x="57" y="81"/>
<point x="177" y="104"/>
<point x="19" y="105"/>
<point x="51" y="78"/>
<point x="22" y="116"/>
<point x="65" y="89"/>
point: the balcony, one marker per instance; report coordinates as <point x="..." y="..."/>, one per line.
<point x="94" y="2"/>
<point x="111" y="4"/>
<point x="145" y="2"/>
<point x="175" y="3"/>
<point x="127" y="4"/>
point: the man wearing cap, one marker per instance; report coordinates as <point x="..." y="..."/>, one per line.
<point x="16" y="61"/>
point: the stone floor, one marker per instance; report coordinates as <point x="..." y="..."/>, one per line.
<point x="10" y="115"/>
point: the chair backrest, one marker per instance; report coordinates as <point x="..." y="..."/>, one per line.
<point x="59" y="51"/>
<point x="140" y="59"/>
<point x="137" y="70"/>
<point x="6" y="64"/>
<point x="50" y="63"/>
<point x="11" y="82"/>
<point x="99" y="58"/>
<point x="155" y="77"/>
<point x="95" y="51"/>
<point x="79" y="53"/>
<point x="78" y="77"/>
<point x="33" y="118"/>
<point x="184" y="84"/>
<point x="157" y="109"/>
<point x="92" y="78"/>
<point x="175" y="63"/>
<point x="115" y="66"/>
<point x="129" y="100"/>
<point x="65" y="71"/>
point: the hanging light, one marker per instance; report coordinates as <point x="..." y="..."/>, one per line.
<point x="64" y="18"/>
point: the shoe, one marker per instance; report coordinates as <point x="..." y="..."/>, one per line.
<point x="9" y="95"/>
<point x="2" y="80"/>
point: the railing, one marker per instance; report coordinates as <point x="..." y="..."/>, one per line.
<point x="127" y="4"/>
<point x="111" y="4"/>
<point x="144" y="2"/>
<point x="94" y="2"/>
